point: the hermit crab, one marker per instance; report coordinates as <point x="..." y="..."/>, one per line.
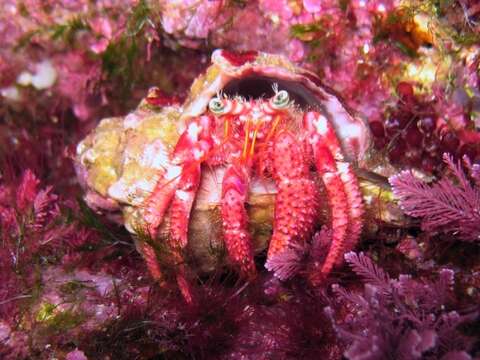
<point x="251" y="158"/>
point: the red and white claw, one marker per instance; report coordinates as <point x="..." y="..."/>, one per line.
<point x="343" y="192"/>
<point x="182" y="178"/>
<point x="180" y="210"/>
<point x="157" y="203"/>
<point x="182" y="203"/>
<point x="296" y="206"/>
<point x="235" y="218"/>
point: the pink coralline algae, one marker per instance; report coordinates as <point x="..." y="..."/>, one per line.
<point x="76" y="355"/>
<point x="263" y="26"/>
<point x="78" y="78"/>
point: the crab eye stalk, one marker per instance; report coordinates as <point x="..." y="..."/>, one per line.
<point x="216" y="106"/>
<point x="280" y="100"/>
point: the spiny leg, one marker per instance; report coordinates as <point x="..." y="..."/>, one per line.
<point x="155" y="206"/>
<point x="296" y="207"/>
<point x="191" y="149"/>
<point x="338" y="204"/>
<point x="182" y="203"/>
<point x="342" y="188"/>
<point x="235" y="219"/>
<point x="180" y="210"/>
<point x="150" y="256"/>
<point x="355" y="207"/>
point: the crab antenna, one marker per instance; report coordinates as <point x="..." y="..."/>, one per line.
<point x="226" y="130"/>
<point x="252" y="147"/>
<point x="240" y="98"/>
<point x="276" y="121"/>
<point x="220" y="94"/>
<point x="247" y="136"/>
<point x="275" y="88"/>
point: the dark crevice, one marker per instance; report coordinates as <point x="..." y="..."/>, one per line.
<point x="256" y="86"/>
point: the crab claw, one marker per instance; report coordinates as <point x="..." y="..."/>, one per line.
<point x="296" y="207"/>
<point x="155" y="206"/>
<point x="343" y="192"/>
<point x="181" y="177"/>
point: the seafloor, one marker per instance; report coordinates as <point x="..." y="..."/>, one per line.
<point x="72" y="283"/>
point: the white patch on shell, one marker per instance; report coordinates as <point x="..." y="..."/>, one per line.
<point x="262" y="186"/>
<point x="198" y="106"/>
<point x="119" y="191"/>
<point x="321" y="125"/>
<point x="217" y="57"/>
<point x="89" y="156"/>
<point x="351" y="132"/>
<point x="145" y="185"/>
<point x="133" y="193"/>
<point x="131" y="121"/>
<point x="155" y="155"/>
<point x="81" y="147"/>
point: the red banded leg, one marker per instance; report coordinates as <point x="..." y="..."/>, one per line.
<point x="180" y="210"/>
<point x="235" y="219"/>
<point x="150" y="256"/>
<point x="191" y="147"/>
<point x="155" y="206"/>
<point x="342" y="188"/>
<point x="182" y="204"/>
<point x="296" y="206"/>
<point x="338" y="204"/>
<point x="355" y="207"/>
<point x="181" y="185"/>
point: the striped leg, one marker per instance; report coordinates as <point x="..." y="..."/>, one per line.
<point x="178" y="191"/>
<point x="343" y="192"/>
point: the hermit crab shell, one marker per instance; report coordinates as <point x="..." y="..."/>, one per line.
<point x="118" y="162"/>
<point x="253" y="74"/>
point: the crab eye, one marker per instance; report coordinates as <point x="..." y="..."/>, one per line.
<point x="216" y="106"/>
<point x="280" y="100"/>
